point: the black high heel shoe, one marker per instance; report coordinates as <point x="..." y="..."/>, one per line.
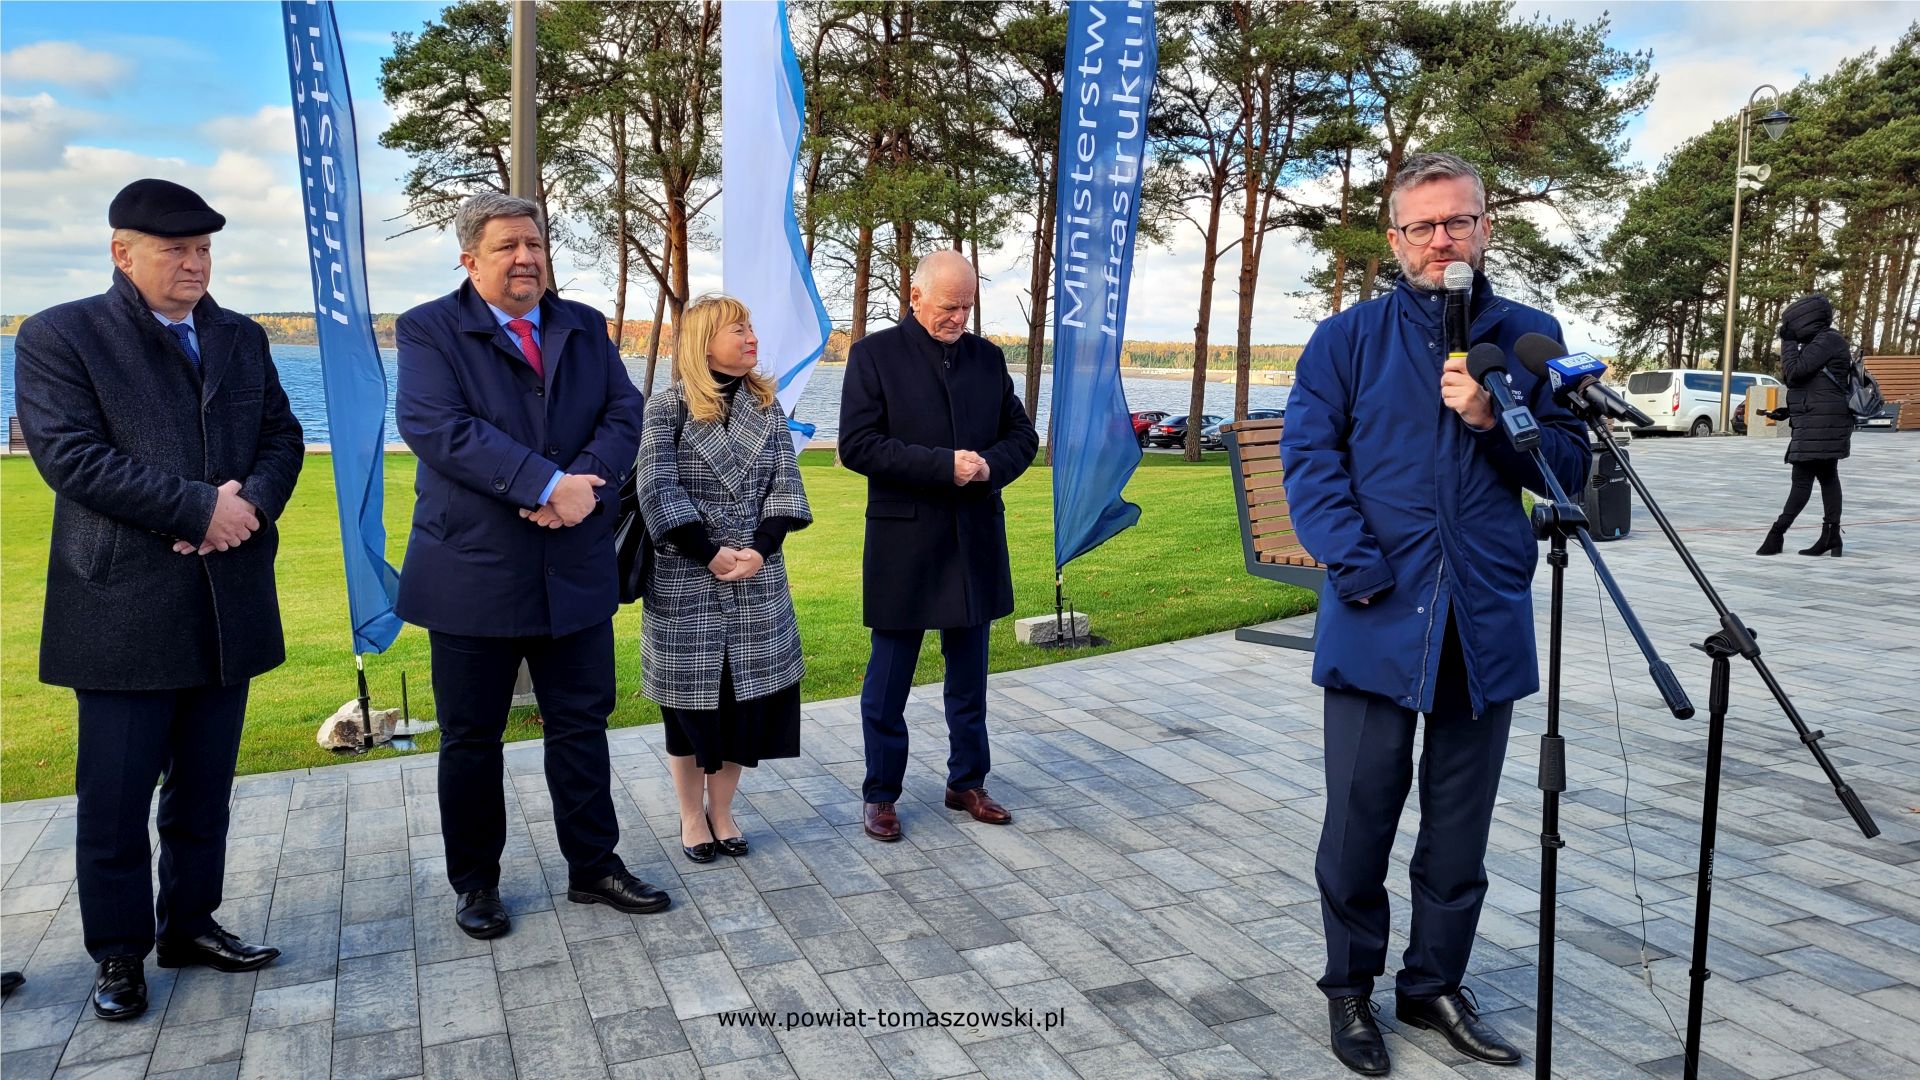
<point x="703" y="852"/>
<point x="735" y="846"/>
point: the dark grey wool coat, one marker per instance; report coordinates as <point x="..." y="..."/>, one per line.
<point x="729" y="476"/>
<point x="1815" y="364"/>
<point x="134" y="445"/>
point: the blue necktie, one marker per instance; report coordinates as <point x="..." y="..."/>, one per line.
<point x="185" y="334"/>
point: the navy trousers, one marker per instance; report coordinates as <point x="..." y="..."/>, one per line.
<point x="472" y="693"/>
<point x="1369" y="764"/>
<point x="128" y="741"/>
<point x="883" y="705"/>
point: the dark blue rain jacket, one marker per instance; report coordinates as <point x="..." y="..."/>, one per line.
<point x="1406" y="504"/>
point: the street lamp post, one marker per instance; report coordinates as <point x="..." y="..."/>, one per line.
<point x="1774" y="124"/>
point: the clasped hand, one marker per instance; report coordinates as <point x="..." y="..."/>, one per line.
<point x="969" y="467"/>
<point x="235" y="520"/>
<point x="736" y="564"/>
<point x="572" y="500"/>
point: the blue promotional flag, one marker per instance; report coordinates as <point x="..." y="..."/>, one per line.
<point x="1111" y="60"/>
<point x="763" y="263"/>
<point x="350" y="368"/>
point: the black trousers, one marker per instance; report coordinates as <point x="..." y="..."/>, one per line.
<point x="883" y="705"/>
<point x="1804" y="474"/>
<point x="1369" y="763"/>
<point x="472" y="693"/>
<point x="128" y="741"/>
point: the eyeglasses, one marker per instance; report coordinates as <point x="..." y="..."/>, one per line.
<point x="1420" y="233"/>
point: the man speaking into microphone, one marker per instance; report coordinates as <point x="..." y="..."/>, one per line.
<point x="1400" y="480"/>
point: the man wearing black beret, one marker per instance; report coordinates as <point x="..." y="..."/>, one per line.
<point x="157" y="418"/>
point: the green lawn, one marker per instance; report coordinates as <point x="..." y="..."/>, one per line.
<point x="1175" y="575"/>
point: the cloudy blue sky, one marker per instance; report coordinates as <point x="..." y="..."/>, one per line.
<point x="96" y="94"/>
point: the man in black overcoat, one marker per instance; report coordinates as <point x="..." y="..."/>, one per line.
<point x="928" y="415"/>
<point x="524" y="420"/>
<point x="157" y="418"/>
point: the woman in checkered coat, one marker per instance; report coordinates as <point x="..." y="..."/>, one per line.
<point x="719" y="491"/>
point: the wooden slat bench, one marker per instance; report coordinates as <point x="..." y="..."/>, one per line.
<point x="16" y="440"/>
<point x="1899" y="379"/>
<point x="1266" y="531"/>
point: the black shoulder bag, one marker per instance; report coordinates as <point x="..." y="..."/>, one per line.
<point x="632" y="546"/>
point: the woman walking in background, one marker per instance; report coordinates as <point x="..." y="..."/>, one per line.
<point x="720" y="649"/>
<point x="1815" y="365"/>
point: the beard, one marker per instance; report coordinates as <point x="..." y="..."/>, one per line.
<point x="1418" y="277"/>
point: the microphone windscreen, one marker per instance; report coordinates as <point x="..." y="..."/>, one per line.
<point x="1483" y="358"/>
<point x="1458" y="276"/>
<point x="1534" y="350"/>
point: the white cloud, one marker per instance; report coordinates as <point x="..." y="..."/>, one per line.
<point x="35" y="131"/>
<point x="267" y="131"/>
<point x="63" y="63"/>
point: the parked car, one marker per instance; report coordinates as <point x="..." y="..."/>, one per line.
<point x="1172" y="431"/>
<point x="1144" y="420"/>
<point x="1211" y="438"/>
<point x="1683" y="402"/>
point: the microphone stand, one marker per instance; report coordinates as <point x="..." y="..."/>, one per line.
<point x="1554" y="521"/>
<point x="1732" y="639"/>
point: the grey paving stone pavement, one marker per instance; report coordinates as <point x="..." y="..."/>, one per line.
<point x="1152" y="907"/>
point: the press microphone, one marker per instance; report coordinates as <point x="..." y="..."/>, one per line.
<point x="1575" y="380"/>
<point x="1459" y="282"/>
<point x="1487" y="363"/>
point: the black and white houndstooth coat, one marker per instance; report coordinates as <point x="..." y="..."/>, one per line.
<point x="730" y="477"/>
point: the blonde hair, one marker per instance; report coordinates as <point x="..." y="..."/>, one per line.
<point x="698" y="323"/>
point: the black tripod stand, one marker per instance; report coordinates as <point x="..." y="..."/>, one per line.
<point x="1554" y="521"/>
<point x="1733" y="638"/>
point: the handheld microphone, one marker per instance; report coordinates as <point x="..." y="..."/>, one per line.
<point x="1459" y="283"/>
<point x="1576" y="380"/>
<point x="1487" y="363"/>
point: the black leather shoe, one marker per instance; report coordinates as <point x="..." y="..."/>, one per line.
<point x="735" y="846"/>
<point x="482" y="915"/>
<point x="621" y="891"/>
<point x="218" y="950"/>
<point x="11" y="981"/>
<point x="120" y="990"/>
<point x="703" y="852"/>
<point x="1457" y="1016"/>
<point x="1356" y="1035"/>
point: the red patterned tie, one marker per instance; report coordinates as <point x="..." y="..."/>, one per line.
<point x="530" y="348"/>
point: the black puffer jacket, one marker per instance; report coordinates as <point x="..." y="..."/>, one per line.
<point x="1814" y="363"/>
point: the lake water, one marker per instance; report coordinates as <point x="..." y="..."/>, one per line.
<point x="299" y="367"/>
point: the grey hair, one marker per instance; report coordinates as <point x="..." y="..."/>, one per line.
<point x="929" y="264"/>
<point x="1426" y="168"/>
<point x="472" y="217"/>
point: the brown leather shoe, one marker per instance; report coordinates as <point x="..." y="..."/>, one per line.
<point x="881" y="822"/>
<point x="977" y="802"/>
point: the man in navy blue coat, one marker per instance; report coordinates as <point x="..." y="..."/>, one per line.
<point x="157" y="418"/>
<point x="524" y="421"/>
<point x="1401" y="482"/>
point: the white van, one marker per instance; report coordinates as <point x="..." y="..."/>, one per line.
<point x="1683" y="401"/>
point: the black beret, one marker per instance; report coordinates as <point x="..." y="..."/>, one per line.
<point x="163" y="208"/>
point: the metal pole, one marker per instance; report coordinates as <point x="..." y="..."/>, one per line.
<point x="1733" y="283"/>
<point x="523" y="170"/>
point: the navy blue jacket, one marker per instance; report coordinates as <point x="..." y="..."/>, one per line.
<point x="135" y="444"/>
<point x="1408" y="505"/>
<point x="489" y="434"/>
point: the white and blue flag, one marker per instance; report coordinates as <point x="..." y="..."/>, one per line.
<point x="763" y="262"/>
